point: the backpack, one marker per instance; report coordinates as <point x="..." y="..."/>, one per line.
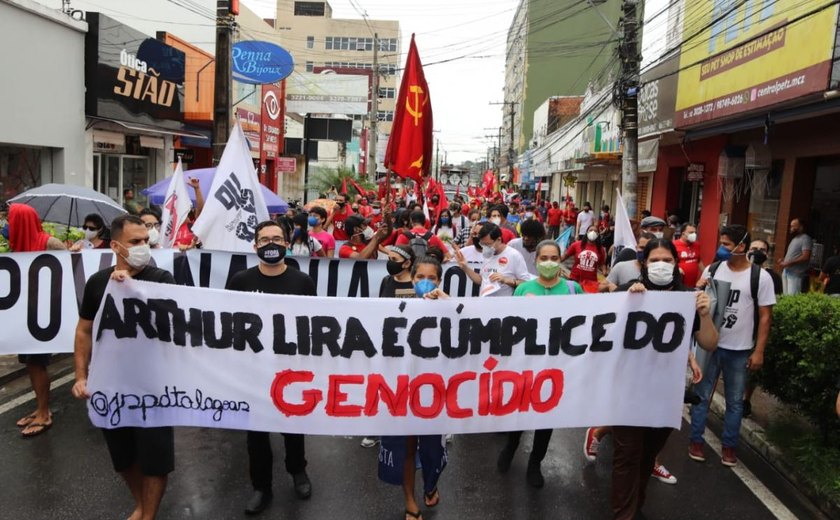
<point x="419" y="243"/>
<point x="755" y="277"/>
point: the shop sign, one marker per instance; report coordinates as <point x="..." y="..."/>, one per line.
<point x="657" y="98"/>
<point x="286" y="164"/>
<point x="694" y="172"/>
<point x="186" y="155"/>
<point x="752" y="57"/>
<point x="130" y="76"/>
<point x="259" y="63"/>
<point x="250" y="122"/>
<point x="271" y="117"/>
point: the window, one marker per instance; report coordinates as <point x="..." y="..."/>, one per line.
<point x="388" y="93"/>
<point x="388" y="44"/>
<point x="328" y="43"/>
<point x="388" y="70"/>
<point x="309" y="9"/>
<point x="310" y="42"/>
<point x="349" y="43"/>
<point x="310" y="66"/>
<point x="385" y="115"/>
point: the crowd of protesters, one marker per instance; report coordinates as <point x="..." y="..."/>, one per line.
<point x="507" y="248"/>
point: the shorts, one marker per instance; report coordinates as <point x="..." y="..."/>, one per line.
<point x="35" y="359"/>
<point x="152" y="449"/>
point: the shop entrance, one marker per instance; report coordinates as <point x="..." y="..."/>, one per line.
<point x="825" y="210"/>
<point x="114" y="173"/>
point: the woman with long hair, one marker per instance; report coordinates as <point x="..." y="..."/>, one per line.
<point x="589" y="259"/>
<point x="301" y="243"/>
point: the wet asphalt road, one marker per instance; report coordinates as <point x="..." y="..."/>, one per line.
<point x="66" y="474"/>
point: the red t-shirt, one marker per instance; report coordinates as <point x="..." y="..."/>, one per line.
<point x="570" y="215"/>
<point x="338" y="222"/>
<point x="434" y="241"/>
<point x="604" y="223"/>
<point x="587" y="259"/>
<point x="555" y="216"/>
<point x="689" y="261"/>
<point x="375" y="221"/>
<point x="365" y="210"/>
<point x="507" y="235"/>
<point x="348" y="249"/>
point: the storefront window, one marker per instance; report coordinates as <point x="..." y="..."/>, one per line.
<point x="764" y="203"/>
<point x="825" y="211"/>
<point x="20" y="170"/>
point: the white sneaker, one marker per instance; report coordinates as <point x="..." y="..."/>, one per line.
<point x="448" y="438"/>
<point x="662" y="474"/>
<point x="370" y="442"/>
<point x="590" y="445"/>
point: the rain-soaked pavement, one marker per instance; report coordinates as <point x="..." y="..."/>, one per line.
<point x="66" y="474"/>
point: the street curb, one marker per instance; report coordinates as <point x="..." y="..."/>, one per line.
<point x="756" y="438"/>
<point x="20" y="372"/>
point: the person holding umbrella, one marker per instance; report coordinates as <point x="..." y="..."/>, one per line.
<point x="25" y="235"/>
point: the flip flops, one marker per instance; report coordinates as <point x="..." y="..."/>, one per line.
<point x="432" y="498"/>
<point x="24" y="421"/>
<point x="39" y="428"/>
<point x="413" y="515"/>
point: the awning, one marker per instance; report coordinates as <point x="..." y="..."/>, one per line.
<point x="151" y="129"/>
<point x="151" y="142"/>
<point x="648" y="153"/>
<point x="112" y="138"/>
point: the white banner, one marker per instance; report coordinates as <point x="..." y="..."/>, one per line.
<point x="235" y="204"/>
<point x="176" y="207"/>
<point x="186" y="356"/>
<point x="43" y="290"/>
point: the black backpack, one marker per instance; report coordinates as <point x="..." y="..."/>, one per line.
<point x="755" y="277"/>
<point x="419" y="243"/>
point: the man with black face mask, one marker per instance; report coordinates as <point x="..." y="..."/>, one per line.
<point x="273" y="276"/>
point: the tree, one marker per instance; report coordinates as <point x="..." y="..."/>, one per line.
<point x="325" y="177"/>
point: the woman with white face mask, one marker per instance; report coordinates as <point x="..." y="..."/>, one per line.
<point x="589" y="260"/>
<point x="550" y="282"/>
<point x="95" y="234"/>
<point x="151" y="219"/>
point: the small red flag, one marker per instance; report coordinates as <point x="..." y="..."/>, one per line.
<point x="409" y="152"/>
<point x="344" y="186"/>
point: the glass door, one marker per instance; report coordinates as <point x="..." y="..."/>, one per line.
<point x="135" y="175"/>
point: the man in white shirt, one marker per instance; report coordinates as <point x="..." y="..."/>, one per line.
<point x="503" y="268"/>
<point x="744" y="312"/>
<point x="585" y="219"/>
<point x="533" y="232"/>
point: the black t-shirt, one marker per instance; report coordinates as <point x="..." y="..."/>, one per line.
<point x="832" y="270"/>
<point x="95" y="287"/>
<point x="390" y="288"/>
<point x="291" y="281"/>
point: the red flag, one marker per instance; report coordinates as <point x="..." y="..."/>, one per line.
<point x="539" y="191"/>
<point x="361" y="190"/>
<point x="344" y="186"/>
<point x="409" y="152"/>
<point x="489" y="183"/>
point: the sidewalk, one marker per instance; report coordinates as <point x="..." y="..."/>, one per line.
<point x="10" y="369"/>
<point x="766" y="409"/>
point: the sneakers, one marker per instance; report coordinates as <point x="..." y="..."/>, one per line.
<point x="662" y="474"/>
<point x="370" y="442"/>
<point x="303" y="486"/>
<point x="590" y="445"/>
<point x="727" y="457"/>
<point x="695" y="452"/>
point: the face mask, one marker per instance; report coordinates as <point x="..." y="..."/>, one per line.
<point x="367" y="234"/>
<point x="658" y="234"/>
<point x="376" y="211"/>
<point x="592" y="236"/>
<point x="529" y="215"/>
<point x="488" y="252"/>
<point x="640" y="256"/>
<point x="154" y="236"/>
<point x="496" y="220"/>
<point x="341" y="204"/>
<point x="444" y="222"/>
<point x="723" y="254"/>
<point x="757" y="257"/>
<point x="424" y="287"/>
<point x="90" y="234"/>
<point x="394" y="267"/>
<point x="548" y="269"/>
<point x="313" y="221"/>
<point x="660" y="273"/>
<point x="271" y="254"/>
<point x="138" y="256"/>
<point x="691" y="237"/>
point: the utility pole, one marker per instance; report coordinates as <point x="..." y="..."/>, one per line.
<point x="221" y="89"/>
<point x="629" y="89"/>
<point x="437" y="159"/>
<point x="374" y="109"/>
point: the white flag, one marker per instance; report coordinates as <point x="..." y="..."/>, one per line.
<point x="176" y="207"/>
<point x="235" y="204"/>
<point x="624" y="236"/>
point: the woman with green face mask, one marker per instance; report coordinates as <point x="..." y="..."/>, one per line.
<point x="550" y="282"/>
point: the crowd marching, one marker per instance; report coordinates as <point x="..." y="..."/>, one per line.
<point x="507" y="247"/>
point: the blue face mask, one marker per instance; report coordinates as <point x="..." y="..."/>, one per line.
<point x="313" y="221"/>
<point x="723" y="254"/>
<point x="640" y="256"/>
<point x="444" y="221"/>
<point x="424" y="287"/>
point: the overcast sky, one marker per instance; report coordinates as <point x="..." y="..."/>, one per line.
<point x="470" y="33"/>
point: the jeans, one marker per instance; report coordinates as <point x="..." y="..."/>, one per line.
<point x="733" y="364"/>
<point x="792" y="283"/>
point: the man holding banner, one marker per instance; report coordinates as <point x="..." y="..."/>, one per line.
<point x="273" y="276"/>
<point x="143" y="456"/>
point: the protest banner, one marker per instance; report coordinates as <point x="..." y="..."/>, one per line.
<point x="182" y="356"/>
<point x="40" y="293"/>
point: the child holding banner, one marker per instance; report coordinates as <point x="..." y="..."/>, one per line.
<point x="549" y="282"/>
<point x="399" y="456"/>
<point x="636" y="447"/>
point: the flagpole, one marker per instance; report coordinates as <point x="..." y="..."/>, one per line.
<point x="387" y="208"/>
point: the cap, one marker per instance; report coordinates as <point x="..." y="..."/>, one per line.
<point x="652" y="221"/>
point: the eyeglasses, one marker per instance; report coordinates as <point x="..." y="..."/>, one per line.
<point x="264" y="241"/>
<point x="90" y="228"/>
<point x="149" y="225"/>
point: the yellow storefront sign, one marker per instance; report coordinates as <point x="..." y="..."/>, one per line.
<point x="743" y="55"/>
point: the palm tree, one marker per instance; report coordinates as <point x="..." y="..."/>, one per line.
<point x="325" y="177"/>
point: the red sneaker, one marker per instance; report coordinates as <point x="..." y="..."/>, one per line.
<point x="662" y="474"/>
<point x="590" y="445"/>
<point x="695" y="452"/>
<point x="727" y="457"/>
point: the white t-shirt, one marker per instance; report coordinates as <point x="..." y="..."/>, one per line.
<point x="529" y="256"/>
<point x="472" y="255"/>
<point x="301" y="249"/>
<point x="736" y="330"/>
<point x="508" y="263"/>
<point x="585" y="219"/>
